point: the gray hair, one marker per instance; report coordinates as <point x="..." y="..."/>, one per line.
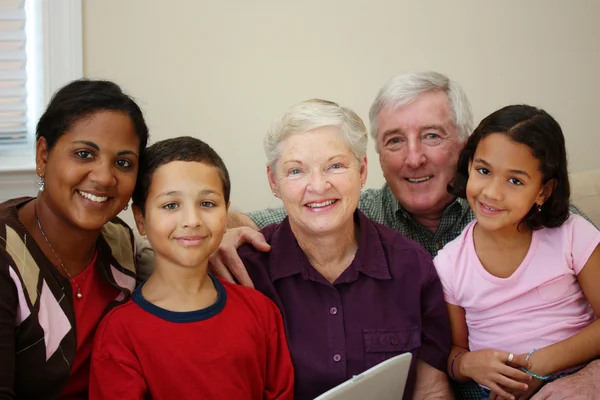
<point x="402" y="89"/>
<point x="313" y="114"/>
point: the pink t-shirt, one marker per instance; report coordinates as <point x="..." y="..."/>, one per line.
<point x="540" y="304"/>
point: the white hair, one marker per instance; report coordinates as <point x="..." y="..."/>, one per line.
<point x="313" y="114"/>
<point x="402" y="89"/>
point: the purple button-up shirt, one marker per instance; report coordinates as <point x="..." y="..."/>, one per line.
<point x="387" y="302"/>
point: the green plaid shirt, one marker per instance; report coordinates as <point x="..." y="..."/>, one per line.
<point x="381" y="206"/>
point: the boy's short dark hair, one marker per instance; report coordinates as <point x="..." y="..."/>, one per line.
<point x="80" y="99"/>
<point x="536" y="129"/>
<point x="184" y="148"/>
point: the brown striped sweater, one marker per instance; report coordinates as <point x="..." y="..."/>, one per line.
<point x="37" y="346"/>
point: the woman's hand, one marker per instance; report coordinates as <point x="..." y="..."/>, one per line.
<point x="491" y="368"/>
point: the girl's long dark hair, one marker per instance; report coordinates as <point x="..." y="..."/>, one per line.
<point x="535" y="128"/>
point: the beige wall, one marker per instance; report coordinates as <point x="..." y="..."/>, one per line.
<point x="222" y="71"/>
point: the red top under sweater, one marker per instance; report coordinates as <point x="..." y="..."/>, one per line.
<point x="234" y="349"/>
<point x="89" y="309"/>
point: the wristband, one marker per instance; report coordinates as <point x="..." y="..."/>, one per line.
<point x="452" y="364"/>
<point x="540" y="377"/>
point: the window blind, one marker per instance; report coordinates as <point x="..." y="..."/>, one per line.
<point x="13" y="73"/>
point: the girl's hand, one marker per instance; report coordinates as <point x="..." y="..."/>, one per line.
<point x="490" y="368"/>
<point x="534" y="384"/>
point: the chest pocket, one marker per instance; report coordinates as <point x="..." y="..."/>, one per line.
<point x="558" y="288"/>
<point x="381" y="344"/>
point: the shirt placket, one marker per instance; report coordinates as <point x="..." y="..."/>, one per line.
<point x="337" y="335"/>
<point x="418" y="233"/>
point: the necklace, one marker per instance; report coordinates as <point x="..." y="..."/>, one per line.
<point x="79" y="295"/>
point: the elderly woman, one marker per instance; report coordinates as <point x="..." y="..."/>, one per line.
<point x="341" y="281"/>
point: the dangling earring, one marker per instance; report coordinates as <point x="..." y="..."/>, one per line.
<point x="539" y="207"/>
<point x="41" y="183"/>
<point x="126" y="207"/>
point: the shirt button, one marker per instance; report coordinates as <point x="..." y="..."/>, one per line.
<point x="333" y="310"/>
<point x="337" y="358"/>
<point x="394" y="341"/>
<point x="439" y="245"/>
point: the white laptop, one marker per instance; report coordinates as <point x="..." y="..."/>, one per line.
<point x="384" y="381"/>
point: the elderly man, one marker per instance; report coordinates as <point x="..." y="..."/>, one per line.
<point x="419" y="122"/>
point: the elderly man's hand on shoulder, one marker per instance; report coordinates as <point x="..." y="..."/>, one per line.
<point x="225" y="262"/>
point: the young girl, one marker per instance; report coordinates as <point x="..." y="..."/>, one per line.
<point x="519" y="279"/>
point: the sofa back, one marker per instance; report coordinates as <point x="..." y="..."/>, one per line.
<point x="585" y="193"/>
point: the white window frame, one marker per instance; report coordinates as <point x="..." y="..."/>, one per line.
<point x="61" y="47"/>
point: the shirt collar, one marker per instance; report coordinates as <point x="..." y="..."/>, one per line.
<point x="287" y="258"/>
<point x="391" y="200"/>
<point x="458" y="204"/>
<point x="464" y="204"/>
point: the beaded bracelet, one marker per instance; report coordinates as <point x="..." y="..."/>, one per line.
<point x="540" y="377"/>
<point x="452" y="364"/>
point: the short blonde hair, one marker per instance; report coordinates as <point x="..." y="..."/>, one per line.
<point x="313" y="114"/>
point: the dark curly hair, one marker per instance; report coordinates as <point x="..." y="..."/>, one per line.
<point x="80" y="99"/>
<point x="536" y="129"/>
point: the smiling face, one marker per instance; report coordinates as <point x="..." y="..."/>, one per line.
<point x="91" y="171"/>
<point x="185" y="213"/>
<point x="418" y="151"/>
<point x="318" y="178"/>
<point x="504" y="183"/>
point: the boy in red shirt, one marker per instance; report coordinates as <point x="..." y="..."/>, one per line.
<point x="185" y="334"/>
